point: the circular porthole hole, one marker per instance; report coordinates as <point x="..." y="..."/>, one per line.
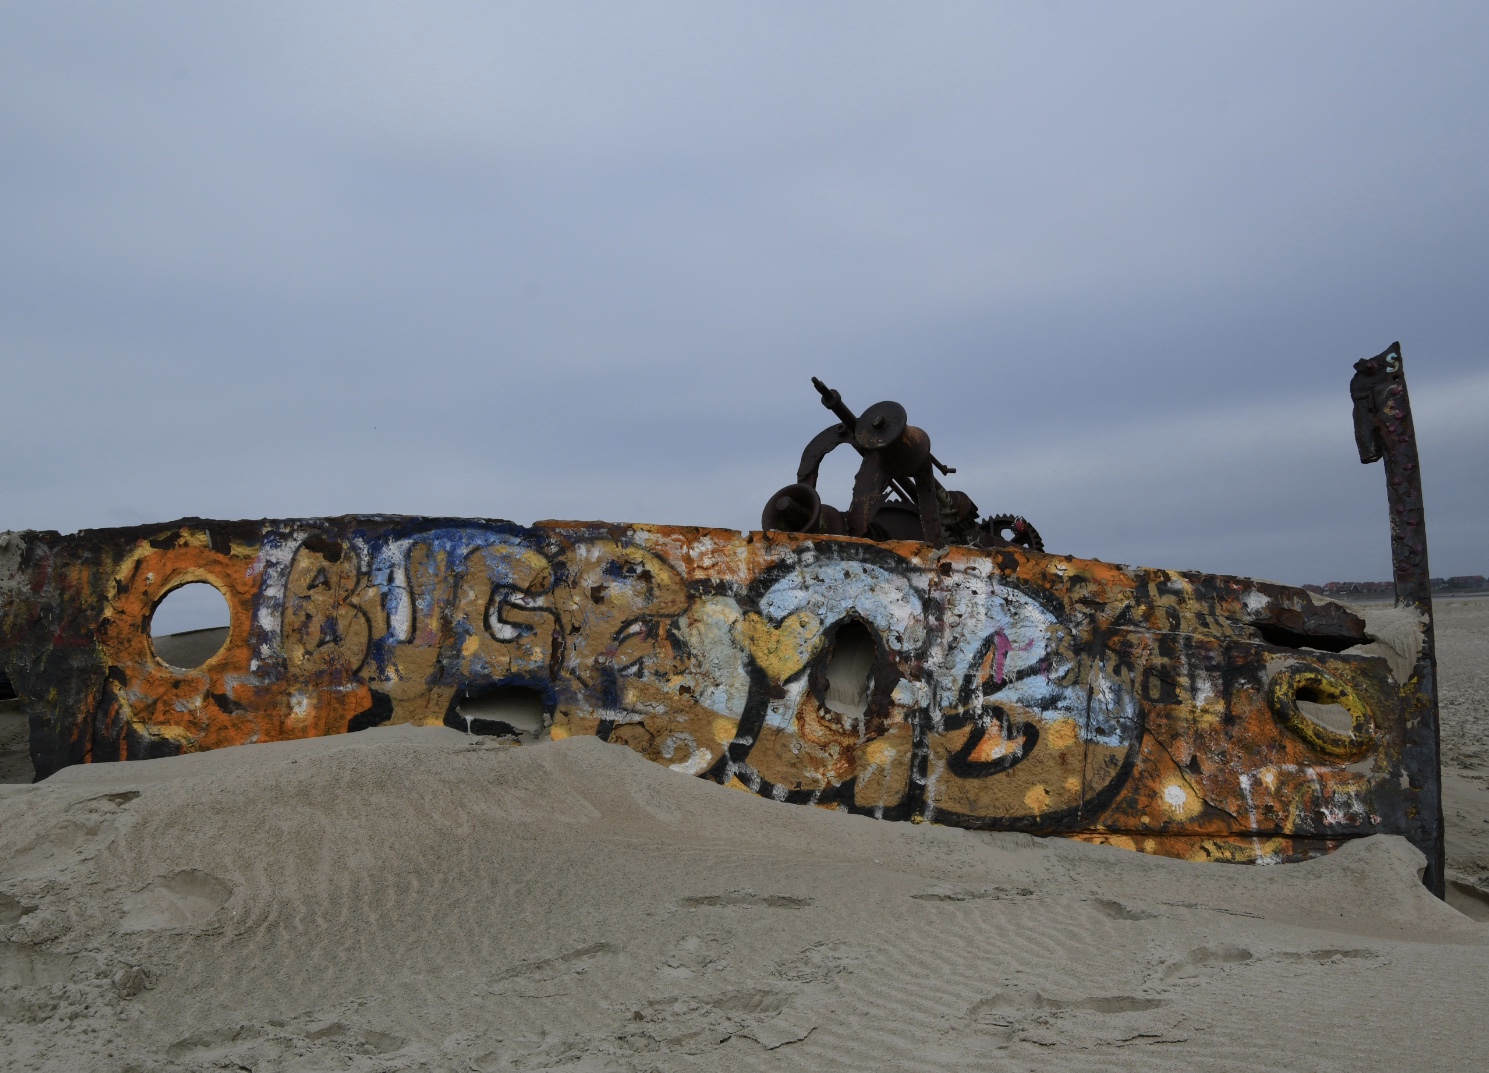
<point x="190" y="625"/>
<point x="1323" y="708"/>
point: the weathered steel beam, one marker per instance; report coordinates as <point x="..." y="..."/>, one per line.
<point x="1384" y="429"/>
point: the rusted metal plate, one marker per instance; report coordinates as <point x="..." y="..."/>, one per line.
<point x="969" y="679"/>
<point x="1007" y="688"/>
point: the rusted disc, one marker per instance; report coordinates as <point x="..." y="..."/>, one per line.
<point x="880" y="425"/>
<point x="962" y="507"/>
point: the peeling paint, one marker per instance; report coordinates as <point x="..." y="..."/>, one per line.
<point x="1010" y="688"/>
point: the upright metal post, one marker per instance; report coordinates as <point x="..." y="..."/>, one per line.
<point x="1383" y="429"/>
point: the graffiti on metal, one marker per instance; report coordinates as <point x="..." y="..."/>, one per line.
<point x="993" y="686"/>
<point x="1000" y="688"/>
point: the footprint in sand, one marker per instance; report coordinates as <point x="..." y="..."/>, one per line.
<point x="1021" y="1013"/>
<point x="694" y="955"/>
<point x="1324" y="957"/>
<point x="745" y="899"/>
<point x="180" y="900"/>
<point x="72" y="835"/>
<point x="1013" y="1004"/>
<point x="552" y="976"/>
<point x="696" y="1024"/>
<point x="366" y="1041"/>
<point x="23" y="965"/>
<point x="1205" y="960"/>
<point x="1114" y="910"/>
<point x="243" y="1046"/>
<point x="11" y="910"/>
<point x="963" y="894"/>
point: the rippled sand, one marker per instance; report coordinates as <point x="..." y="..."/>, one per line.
<point x="416" y="899"/>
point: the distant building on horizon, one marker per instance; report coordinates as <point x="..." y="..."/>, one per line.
<point x="1462" y="583"/>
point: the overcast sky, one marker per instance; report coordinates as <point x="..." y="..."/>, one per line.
<point x="575" y="261"/>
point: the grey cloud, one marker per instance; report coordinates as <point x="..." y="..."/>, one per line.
<point x="580" y="261"/>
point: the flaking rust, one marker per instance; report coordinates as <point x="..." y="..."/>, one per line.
<point x="998" y="686"/>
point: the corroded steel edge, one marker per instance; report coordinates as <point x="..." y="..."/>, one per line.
<point x="1011" y="689"/>
<point x="1384" y="430"/>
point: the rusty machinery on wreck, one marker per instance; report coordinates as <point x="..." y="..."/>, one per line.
<point x="898" y="463"/>
<point x="1194" y="715"/>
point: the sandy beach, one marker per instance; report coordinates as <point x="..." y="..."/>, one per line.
<point x="417" y="899"/>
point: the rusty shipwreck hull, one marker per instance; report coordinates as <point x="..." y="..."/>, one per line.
<point x="1007" y="688"/>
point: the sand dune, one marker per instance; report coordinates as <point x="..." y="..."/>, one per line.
<point x="1463" y="660"/>
<point x="413" y="898"/>
<point x="406" y="899"/>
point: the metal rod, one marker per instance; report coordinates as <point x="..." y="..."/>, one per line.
<point x="834" y="402"/>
